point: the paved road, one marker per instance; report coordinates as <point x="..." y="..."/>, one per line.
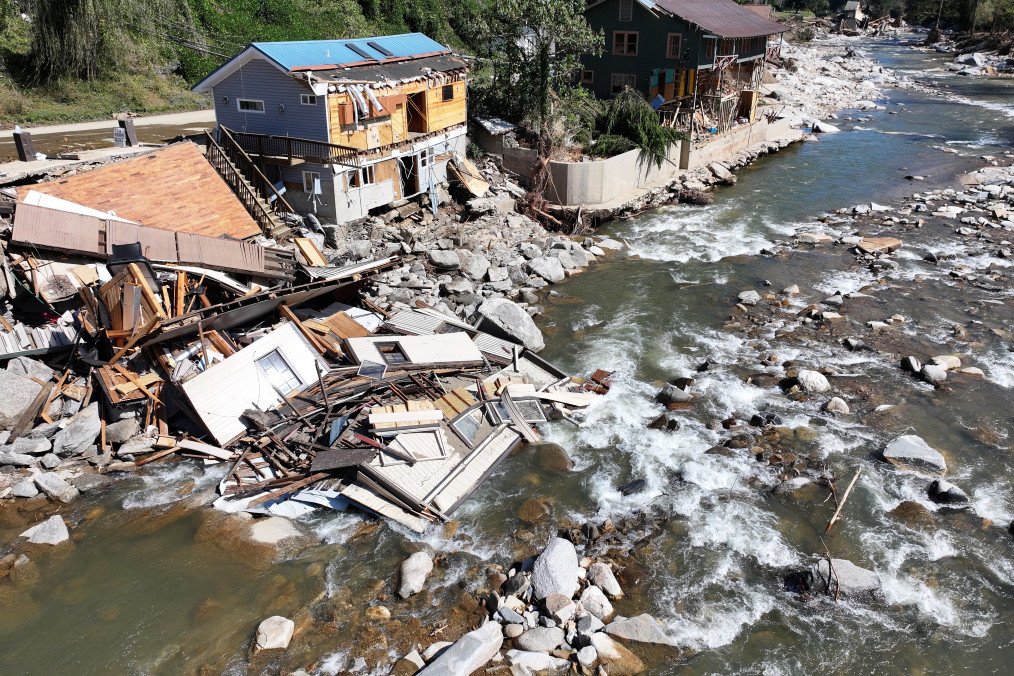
<point x="194" y="117"/>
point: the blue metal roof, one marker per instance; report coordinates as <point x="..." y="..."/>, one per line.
<point x="290" y="55"/>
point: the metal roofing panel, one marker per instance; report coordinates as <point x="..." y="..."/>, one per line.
<point x="220" y="253"/>
<point x="724" y="18"/>
<point x="315" y="53"/>
<point x="156" y="245"/>
<point x="55" y="229"/>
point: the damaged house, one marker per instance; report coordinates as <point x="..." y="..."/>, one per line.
<point x="686" y="56"/>
<point x="341" y="127"/>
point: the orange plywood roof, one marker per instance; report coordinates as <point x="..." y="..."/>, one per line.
<point x="173" y="188"/>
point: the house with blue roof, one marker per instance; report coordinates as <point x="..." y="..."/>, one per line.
<point x="343" y="127"/>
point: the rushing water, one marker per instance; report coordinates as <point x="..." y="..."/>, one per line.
<point x="160" y="598"/>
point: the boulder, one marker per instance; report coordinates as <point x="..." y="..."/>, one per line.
<point x="601" y="575"/>
<point x="721" y="172"/>
<point x="825" y="128"/>
<point x="911" y="364"/>
<point x="468" y="653"/>
<point x="536" y="661"/>
<point x="947" y="362"/>
<point x="554" y="458"/>
<point x="812" y="381"/>
<point x="873" y="245"/>
<point x="79" y="433"/>
<point x="509" y="320"/>
<point x="618" y="660"/>
<point x="473" y="265"/>
<point x="846" y="579"/>
<point x="549" y="269"/>
<point x="540" y="639"/>
<point x="52" y="531"/>
<point x="32" y="446"/>
<point x="587" y="657"/>
<point x="414" y="571"/>
<point x="837" y="405"/>
<point x="17" y="459"/>
<point x="912" y="452"/>
<point x="25" y="489"/>
<point x="642" y="629"/>
<point x="933" y="374"/>
<point x="272" y="530"/>
<point x="556" y="570"/>
<point x="274" y="633"/>
<point x="672" y="394"/>
<point x="749" y="297"/>
<point x="945" y="493"/>
<point x="610" y="244"/>
<point x="595" y="602"/>
<point x="27" y="367"/>
<point x="54" y="486"/>
<point x="444" y="260"/>
<point x="561" y="608"/>
<point x="122" y="430"/>
<point x="16" y="395"/>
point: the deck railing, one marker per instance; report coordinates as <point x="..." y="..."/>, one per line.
<point x="254" y="204"/>
<point x="292" y="148"/>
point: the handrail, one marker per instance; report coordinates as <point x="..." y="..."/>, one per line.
<point x="219" y="159"/>
<point x="245" y="162"/>
<point x="291" y="147"/>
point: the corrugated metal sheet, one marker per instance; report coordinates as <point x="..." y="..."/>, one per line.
<point x="414" y="322"/>
<point x="157" y="245"/>
<point x="221" y="253"/>
<point x="724" y="18"/>
<point x="315" y="53"/>
<point x="52" y="229"/>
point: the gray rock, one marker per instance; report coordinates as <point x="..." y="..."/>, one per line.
<point x="596" y="603"/>
<point x="536" y="661"/>
<point x="912" y="452"/>
<point x="513" y="630"/>
<point x="470" y="652"/>
<point x="601" y="575"/>
<point x="54" y="486"/>
<point x="529" y="250"/>
<point x="812" y="381"/>
<point x="17" y="459"/>
<point x="749" y="297"/>
<point x="50" y="461"/>
<point x="459" y="286"/>
<point x="274" y="633"/>
<point x="25" y="489"/>
<point x="121" y="430"/>
<point x="847" y="578"/>
<point x="587" y="657"/>
<point x="79" y="433"/>
<point x="444" y="260"/>
<point x="947" y="362"/>
<point x="16" y="395"/>
<point x="497" y="274"/>
<point x="556" y="570"/>
<point x="414" y="571"/>
<point x="549" y="269"/>
<point x="837" y="405"/>
<point x="540" y="639"/>
<point x="642" y="629"/>
<point x="361" y="248"/>
<point x="473" y="265"/>
<point x="588" y="624"/>
<point x="720" y="171"/>
<point x="30" y="368"/>
<point x="509" y="320"/>
<point x="672" y="394"/>
<point x="610" y="244"/>
<point x="824" y="128"/>
<point x="561" y="608"/>
<point x="510" y="616"/>
<point x="52" y="531"/>
<point x="30" y="445"/>
<point x="911" y="364"/>
<point x="945" y="493"/>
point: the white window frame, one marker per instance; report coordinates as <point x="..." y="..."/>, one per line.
<point x="626" y="10"/>
<point x="365" y="175"/>
<point x="623" y="80"/>
<point x="314" y="177"/>
<point x="240" y="108"/>
<point x="308" y="99"/>
<point x="679" y="46"/>
<point x="287" y="387"/>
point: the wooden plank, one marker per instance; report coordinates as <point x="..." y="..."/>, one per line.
<point x="181" y="292"/>
<point x="132" y="377"/>
<point x="138" y="335"/>
<point x="310" y="252"/>
<point x="31" y="413"/>
<point x="207" y="449"/>
<point x="406" y="417"/>
<point x="148" y="294"/>
<point x="146" y="380"/>
<point x="287" y="312"/>
<point x="344" y="326"/>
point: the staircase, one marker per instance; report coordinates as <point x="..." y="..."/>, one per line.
<point x="249" y="183"/>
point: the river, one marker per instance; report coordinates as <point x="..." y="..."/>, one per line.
<point x="143" y="591"/>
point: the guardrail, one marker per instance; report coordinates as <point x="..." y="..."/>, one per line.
<point x="293" y="148"/>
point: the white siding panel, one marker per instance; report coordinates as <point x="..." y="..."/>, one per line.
<point x="444" y="348"/>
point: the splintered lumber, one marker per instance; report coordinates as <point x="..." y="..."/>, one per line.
<point x="287" y="312"/>
<point x="155" y="456"/>
<point x="310" y="252"/>
<point x="138" y="335"/>
<point x="31" y="413"/>
<point x="133" y="378"/>
<point x="455" y="402"/>
<point x="844" y="498"/>
<point x="344" y="326"/>
<point x="144" y="380"/>
<point x="288" y="489"/>
<point x="181" y="292"/>
<point x="206" y="449"/>
<point x="578" y="399"/>
<point x="146" y="292"/>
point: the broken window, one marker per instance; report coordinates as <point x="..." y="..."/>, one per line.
<point x="448" y="92"/>
<point x="308" y="99"/>
<point x="250" y="105"/>
<point x="587" y="77"/>
<point x="673" y="46"/>
<point x="278" y="372"/>
<point x="311" y="182"/>
<point x="625" y="43"/>
<point x="391" y="352"/>
<point x="468" y="425"/>
<point x="621" y="81"/>
<point x="626" y="10"/>
<point x="365" y="176"/>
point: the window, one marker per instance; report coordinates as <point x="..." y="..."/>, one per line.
<point x="727" y="47"/>
<point x="587" y="77"/>
<point x="364" y="176"/>
<point x="448" y="92"/>
<point x="620" y="81"/>
<point x="625" y="43"/>
<point x="391" y="353"/>
<point x="626" y="10"/>
<point x="673" y="45"/>
<point x="311" y="182"/>
<point x="709" y="49"/>
<point x="308" y="99"/>
<point x="278" y="372"/>
<point x="250" y="106"/>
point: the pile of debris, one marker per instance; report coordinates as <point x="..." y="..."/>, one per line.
<point x="264" y="357"/>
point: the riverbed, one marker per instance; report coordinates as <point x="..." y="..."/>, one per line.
<point x="143" y="591"/>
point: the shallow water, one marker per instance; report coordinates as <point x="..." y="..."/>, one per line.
<point x="157" y="598"/>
